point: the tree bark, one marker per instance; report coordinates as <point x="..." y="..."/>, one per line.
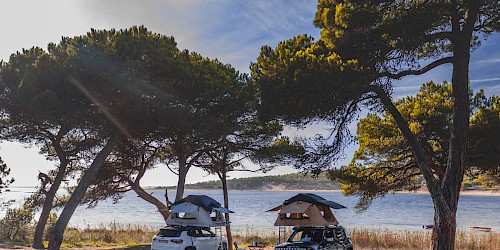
<point x="47" y="206"/>
<point x="181" y="182"/>
<point x="50" y="195"/>
<point x="418" y="152"/>
<point x="443" y="234"/>
<point x="162" y="208"/>
<point x="229" y="235"/>
<point x="56" y="236"/>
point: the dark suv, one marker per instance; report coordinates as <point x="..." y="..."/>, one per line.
<point x="324" y="238"/>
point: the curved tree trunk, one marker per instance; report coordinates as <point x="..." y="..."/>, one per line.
<point x="56" y="236"/>
<point x="50" y="195"/>
<point x="162" y="208"/>
<point x="47" y="206"/>
<point x="446" y="191"/>
<point x="181" y="182"/>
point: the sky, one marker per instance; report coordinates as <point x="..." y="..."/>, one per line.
<point x="232" y="31"/>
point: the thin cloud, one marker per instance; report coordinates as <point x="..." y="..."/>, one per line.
<point x="485" y="80"/>
<point x="491" y="60"/>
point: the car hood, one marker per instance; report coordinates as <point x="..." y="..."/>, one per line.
<point x="297" y="244"/>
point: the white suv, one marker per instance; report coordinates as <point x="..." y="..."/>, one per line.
<point x="188" y="238"/>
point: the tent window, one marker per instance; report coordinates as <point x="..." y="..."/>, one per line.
<point x="186" y="216"/>
<point x="294" y="216"/>
<point x="216" y="216"/>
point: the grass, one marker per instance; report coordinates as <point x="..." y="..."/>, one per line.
<point x="130" y="237"/>
<point x="110" y="235"/>
<point x="384" y="239"/>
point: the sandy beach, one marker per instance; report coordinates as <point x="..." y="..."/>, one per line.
<point x="282" y="188"/>
<point x="463" y="192"/>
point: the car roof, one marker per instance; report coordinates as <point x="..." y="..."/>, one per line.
<point x="182" y="228"/>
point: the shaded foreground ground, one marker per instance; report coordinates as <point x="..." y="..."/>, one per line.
<point x="140" y="238"/>
<point x="140" y="247"/>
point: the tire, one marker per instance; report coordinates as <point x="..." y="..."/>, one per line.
<point x="222" y="246"/>
<point x="190" y="248"/>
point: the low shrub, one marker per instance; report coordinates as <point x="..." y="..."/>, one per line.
<point x="16" y="224"/>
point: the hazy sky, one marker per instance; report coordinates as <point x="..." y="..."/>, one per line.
<point x="232" y="31"/>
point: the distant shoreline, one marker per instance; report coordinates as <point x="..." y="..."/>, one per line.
<point x="463" y="192"/>
<point x="281" y="189"/>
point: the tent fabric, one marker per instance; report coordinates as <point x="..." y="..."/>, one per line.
<point x="295" y="207"/>
<point x="200" y="217"/>
<point x="305" y="214"/>
<point x="184" y="208"/>
<point x="313" y="199"/>
<point x="203" y="201"/>
<point x="223" y="210"/>
<point x="306" y="210"/>
<point x="278" y="208"/>
<point x="197" y="210"/>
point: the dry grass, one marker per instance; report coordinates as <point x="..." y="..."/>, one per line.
<point x="384" y="239"/>
<point x="110" y="235"/>
<point x="139" y="237"/>
<point x="247" y="236"/>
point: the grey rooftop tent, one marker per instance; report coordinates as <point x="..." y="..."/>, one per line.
<point x="306" y="209"/>
<point x="197" y="210"/>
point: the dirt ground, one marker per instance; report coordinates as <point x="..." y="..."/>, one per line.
<point x="11" y="246"/>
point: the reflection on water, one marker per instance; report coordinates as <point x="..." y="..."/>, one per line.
<point x="395" y="211"/>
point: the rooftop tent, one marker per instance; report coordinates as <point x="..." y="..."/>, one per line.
<point x="197" y="210"/>
<point x="306" y="210"/>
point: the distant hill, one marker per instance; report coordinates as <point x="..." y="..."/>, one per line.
<point x="296" y="181"/>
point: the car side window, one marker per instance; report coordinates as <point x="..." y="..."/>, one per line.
<point x="194" y="233"/>
<point x="207" y="233"/>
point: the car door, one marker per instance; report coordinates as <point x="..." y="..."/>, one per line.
<point x="203" y="239"/>
<point x="209" y="239"/>
<point x="330" y="240"/>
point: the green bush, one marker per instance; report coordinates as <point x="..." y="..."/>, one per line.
<point x="16" y="223"/>
<point x="51" y="222"/>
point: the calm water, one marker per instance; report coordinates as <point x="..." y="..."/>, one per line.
<point x="395" y="211"/>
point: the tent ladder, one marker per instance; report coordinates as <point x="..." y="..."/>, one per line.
<point x="281" y="234"/>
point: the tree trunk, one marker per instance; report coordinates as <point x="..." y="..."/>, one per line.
<point x="443" y="236"/>
<point x="162" y="208"/>
<point x="443" y="232"/>
<point x="56" y="236"/>
<point x="47" y="206"/>
<point x="229" y="235"/>
<point x="181" y="182"/>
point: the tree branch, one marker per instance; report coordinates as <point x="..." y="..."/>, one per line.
<point x="423" y="70"/>
<point x="416" y="148"/>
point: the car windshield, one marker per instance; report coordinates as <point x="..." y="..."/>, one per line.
<point x="307" y="235"/>
<point x="169" y="232"/>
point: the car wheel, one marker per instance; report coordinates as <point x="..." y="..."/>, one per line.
<point x="190" y="248"/>
<point x="224" y="246"/>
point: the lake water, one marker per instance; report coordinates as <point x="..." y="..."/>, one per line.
<point x="394" y="211"/>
